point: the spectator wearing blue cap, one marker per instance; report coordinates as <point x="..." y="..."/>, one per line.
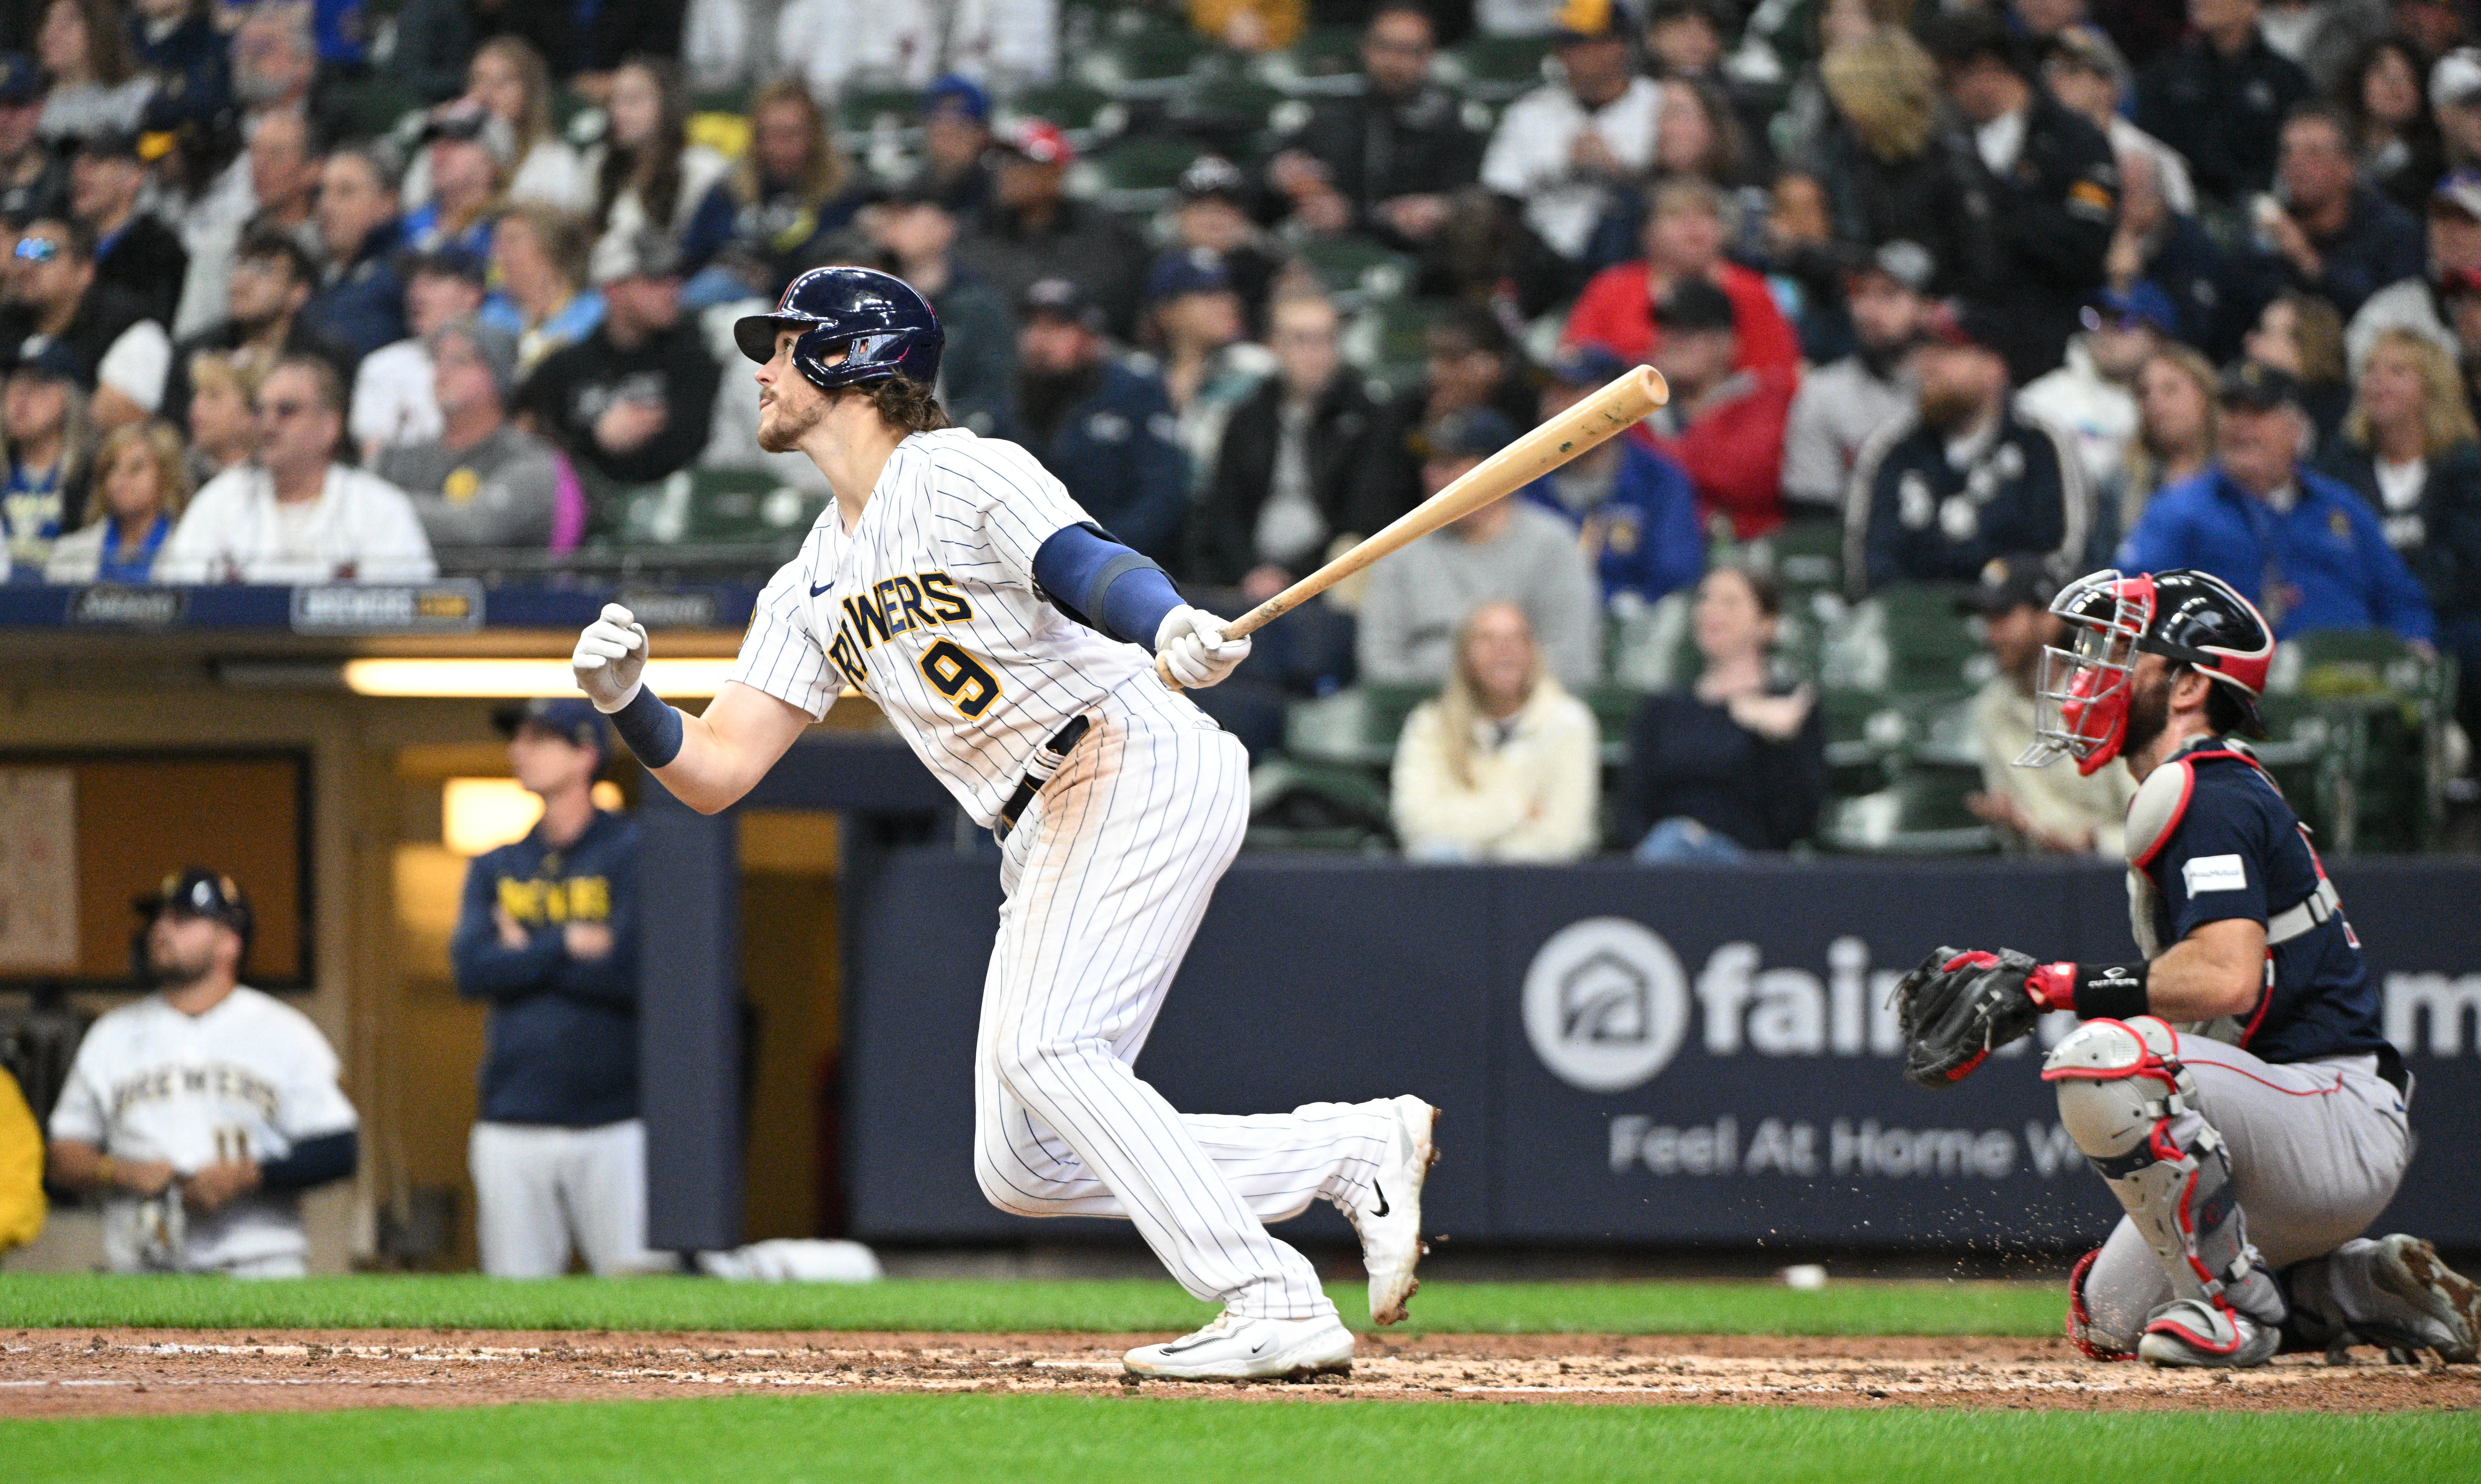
<point x="2092" y="395"/>
<point x="1510" y="550"/>
<point x="1635" y="508"/>
<point x="1196" y="334"/>
<point x="34" y="181"/>
<point x="955" y="143"/>
<point x="547" y="939"/>
<point x="1103" y="426"/>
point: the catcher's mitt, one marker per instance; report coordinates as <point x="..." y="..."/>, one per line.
<point x="1957" y="1007"/>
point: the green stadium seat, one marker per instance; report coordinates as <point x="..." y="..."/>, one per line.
<point x="1390" y="332"/>
<point x="1805" y="553"/>
<point x="751" y="507"/>
<point x="1135" y="174"/>
<point x="1324" y="61"/>
<point x="1311" y="806"/>
<point x="1653" y="647"/>
<point x="860" y="109"/>
<point x="1921" y="812"/>
<point x="1087" y="114"/>
<point x="1907" y="639"/>
<point x="1231" y="108"/>
<point x="1357" y="268"/>
<point x="1143" y="58"/>
<point x="1495" y="68"/>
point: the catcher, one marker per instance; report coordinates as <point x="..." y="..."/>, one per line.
<point x="2233" y="1089"/>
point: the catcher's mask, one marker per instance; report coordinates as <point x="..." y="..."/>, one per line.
<point x="2081" y="696"/>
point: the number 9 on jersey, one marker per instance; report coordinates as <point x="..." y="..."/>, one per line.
<point x="960" y="678"/>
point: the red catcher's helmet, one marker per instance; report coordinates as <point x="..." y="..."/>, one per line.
<point x="2192" y="619"/>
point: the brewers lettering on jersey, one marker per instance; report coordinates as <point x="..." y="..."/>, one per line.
<point x="1006" y="636"/>
<point x="204" y="1111"/>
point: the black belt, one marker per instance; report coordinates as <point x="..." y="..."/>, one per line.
<point x="1045" y="766"/>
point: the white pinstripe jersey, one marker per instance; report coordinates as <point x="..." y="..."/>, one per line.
<point x="928" y="606"/>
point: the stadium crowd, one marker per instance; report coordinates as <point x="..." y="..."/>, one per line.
<point x="1953" y="298"/>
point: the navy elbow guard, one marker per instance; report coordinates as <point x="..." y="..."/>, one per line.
<point x="1103" y="585"/>
<point x="651" y="728"/>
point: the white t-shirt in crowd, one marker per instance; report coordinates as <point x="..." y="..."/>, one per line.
<point x="360" y="529"/>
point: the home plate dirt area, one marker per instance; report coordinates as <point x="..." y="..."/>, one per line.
<point x="88" y="1373"/>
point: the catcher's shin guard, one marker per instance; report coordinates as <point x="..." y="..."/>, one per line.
<point x="2130" y="1107"/>
<point x="2091" y="1340"/>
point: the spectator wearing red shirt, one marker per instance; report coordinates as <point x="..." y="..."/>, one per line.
<point x="1725" y="422"/>
<point x="1684" y="231"/>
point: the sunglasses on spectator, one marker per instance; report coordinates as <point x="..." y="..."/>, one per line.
<point x="38" y="250"/>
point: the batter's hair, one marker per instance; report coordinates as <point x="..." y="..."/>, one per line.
<point x="906" y="404"/>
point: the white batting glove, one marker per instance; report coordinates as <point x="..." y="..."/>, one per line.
<point x="1191" y="644"/>
<point x="611" y="654"/>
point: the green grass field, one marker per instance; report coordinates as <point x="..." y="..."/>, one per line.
<point x="1150" y="1437"/>
<point x="760" y="1440"/>
<point x="50" y="1301"/>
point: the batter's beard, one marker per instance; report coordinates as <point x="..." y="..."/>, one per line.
<point x="2149" y="712"/>
<point x="784" y="433"/>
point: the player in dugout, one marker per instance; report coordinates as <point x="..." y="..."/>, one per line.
<point x="202" y="1111"/>
<point x="2234" y="1088"/>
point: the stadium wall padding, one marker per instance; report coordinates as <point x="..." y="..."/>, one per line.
<point x="1626" y="1054"/>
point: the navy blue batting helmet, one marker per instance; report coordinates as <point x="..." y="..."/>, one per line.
<point x="882" y="325"/>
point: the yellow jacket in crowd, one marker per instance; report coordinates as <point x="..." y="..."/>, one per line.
<point x="22" y="1168"/>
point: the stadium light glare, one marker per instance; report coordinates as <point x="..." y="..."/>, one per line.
<point x="518" y="678"/>
<point x="478" y="814"/>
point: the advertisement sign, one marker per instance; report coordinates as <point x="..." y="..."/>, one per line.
<point x="1629" y="1054"/>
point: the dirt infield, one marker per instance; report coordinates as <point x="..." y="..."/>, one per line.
<point x="123" y="1372"/>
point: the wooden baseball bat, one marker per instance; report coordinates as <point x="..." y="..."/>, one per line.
<point x="1590" y="423"/>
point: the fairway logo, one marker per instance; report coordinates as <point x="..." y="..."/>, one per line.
<point x="1605" y="1005"/>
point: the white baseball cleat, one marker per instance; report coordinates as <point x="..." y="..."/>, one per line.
<point x="1236" y="1348"/>
<point x="1390" y="1220"/>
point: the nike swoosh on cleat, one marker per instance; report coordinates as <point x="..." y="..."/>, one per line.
<point x="1381" y="1192"/>
<point x="1261" y="1345"/>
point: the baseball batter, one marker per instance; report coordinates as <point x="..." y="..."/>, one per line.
<point x="956" y="584"/>
<point x="2233" y="1089"/>
<point x="202" y="1111"/>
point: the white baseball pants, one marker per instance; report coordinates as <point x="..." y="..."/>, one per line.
<point x="2317" y="1150"/>
<point x="538" y="1187"/>
<point x="1106" y="875"/>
